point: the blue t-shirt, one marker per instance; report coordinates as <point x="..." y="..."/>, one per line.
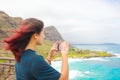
<point x="34" y="67"/>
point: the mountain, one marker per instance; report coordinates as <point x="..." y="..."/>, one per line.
<point x="7" y="23"/>
<point x="52" y="33"/>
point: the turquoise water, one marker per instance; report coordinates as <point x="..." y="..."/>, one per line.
<point x="109" y="48"/>
<point x="94" y="68"/>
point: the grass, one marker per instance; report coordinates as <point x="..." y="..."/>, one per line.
<point x="88" y="54"/>
<point x="73" y="52"/>
<point x="3" y="61"/>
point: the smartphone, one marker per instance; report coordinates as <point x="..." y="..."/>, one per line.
<point x="58" y="46"/>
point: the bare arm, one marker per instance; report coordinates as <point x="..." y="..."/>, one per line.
<point x="49" y="58"/>
<point x="64" y="52"/>
<point x="65" y="67"/>
<point x="52" y="52"/>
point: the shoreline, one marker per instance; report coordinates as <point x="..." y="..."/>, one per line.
<point x="113" y="56"/>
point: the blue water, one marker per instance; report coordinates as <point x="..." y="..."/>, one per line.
<point x="109" y="48"/>
<point x="94" y="68"/>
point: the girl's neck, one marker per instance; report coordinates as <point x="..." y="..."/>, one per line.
<point x="30" y="46"/>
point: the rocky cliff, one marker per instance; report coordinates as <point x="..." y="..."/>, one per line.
<point x="52" y="34"/>
<point x="7" y="22"/>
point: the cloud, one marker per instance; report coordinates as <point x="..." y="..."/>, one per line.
<point x="82" y="21"/>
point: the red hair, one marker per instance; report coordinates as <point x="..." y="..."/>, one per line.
<point x="20" y="39"/>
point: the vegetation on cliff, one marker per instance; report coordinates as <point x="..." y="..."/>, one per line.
<point x="51" y="33"/>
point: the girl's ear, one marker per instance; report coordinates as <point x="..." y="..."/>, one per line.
<point x="35" y="35"/>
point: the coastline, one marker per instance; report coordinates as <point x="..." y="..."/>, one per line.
<point x="75" y="53"/>
<point x="92" y="57"/>
<point x="94" y="67"/>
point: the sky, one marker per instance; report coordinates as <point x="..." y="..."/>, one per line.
<point x="78" y="21"/>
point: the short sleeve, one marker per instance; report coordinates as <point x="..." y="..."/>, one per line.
<point x="41" y="70"/>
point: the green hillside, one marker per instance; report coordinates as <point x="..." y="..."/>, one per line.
<point x="7" y="23"/>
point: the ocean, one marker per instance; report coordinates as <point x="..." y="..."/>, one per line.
<point x="94" y="68"/>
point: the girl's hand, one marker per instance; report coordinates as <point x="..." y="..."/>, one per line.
<point x="54" y="49"/>
<point x="64" y="47"/>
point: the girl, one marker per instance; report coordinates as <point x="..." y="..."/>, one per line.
<point x="29" y="65"/>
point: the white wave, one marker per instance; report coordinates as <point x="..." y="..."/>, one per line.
<point x="75" y="73"/>
<point x="87" y="72"/>
<point x="56" y="63"/>
<point x="76" y="59"/>
<point x="117" y="55"/>
<point x="84" y="59"/>
<point x="98" y="59"/>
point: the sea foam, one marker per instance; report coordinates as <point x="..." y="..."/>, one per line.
<point x="75" y="73"/>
